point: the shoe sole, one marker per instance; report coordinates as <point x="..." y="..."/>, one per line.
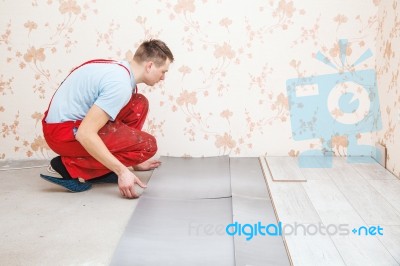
<point x="72" y="185"/>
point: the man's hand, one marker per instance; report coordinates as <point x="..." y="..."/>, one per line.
<point x="126" y="184"/>
<point x="147" y="165"/>
<point x="88" y="136"/>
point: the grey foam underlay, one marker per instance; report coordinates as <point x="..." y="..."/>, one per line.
<point x="251" y="204"/>
<point x="190" y="178"/>
<point x="247" y="178"/>
<point x="177" y="232"/>
<point x="181" y="217"/>
<point x="260" y="250"/>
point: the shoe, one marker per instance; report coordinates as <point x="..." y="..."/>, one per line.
<point x="73" y="185"/>
<point x="54" y="173"/>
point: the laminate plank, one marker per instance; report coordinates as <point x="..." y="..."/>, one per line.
<point x="368" y="170"/>
<point x="313" y="250"/>
<point x="363" y="250"/>
<point x="390" y="190"/>
<point x="314" y="174"/>
<point x="318" y="169"/>
<point x="290" y="200"/>
<point x="343" y="198"/>
<point x="293" y="207"/>
<point x="331" y="205"/>
<point x="284" y="168"/>
<point x="367" y="201"/>
<point x="391" y="240"/>
<point x="373" y="171"/>
<point x="340" y="218"/>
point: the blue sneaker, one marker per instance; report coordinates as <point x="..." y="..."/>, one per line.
<point x="72" y="185"/>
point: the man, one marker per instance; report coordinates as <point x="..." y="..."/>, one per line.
<point x="95" y="118"/>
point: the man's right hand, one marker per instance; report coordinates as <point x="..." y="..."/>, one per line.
<point x="126" y="184"/>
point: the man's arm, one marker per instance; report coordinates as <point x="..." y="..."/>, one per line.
<point x="87" y="135"/>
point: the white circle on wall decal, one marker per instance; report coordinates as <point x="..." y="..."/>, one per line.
<point x="348" y="103"/>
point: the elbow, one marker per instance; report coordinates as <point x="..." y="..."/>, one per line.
<point x="78" y="136"/>
<point x="81" y="136"/>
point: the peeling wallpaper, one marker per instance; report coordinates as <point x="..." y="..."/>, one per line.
<point x="226" y="91"/>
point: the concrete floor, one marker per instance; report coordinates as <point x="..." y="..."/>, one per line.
<point x="43" y="224"/>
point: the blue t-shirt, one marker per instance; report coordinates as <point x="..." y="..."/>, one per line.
<point x="107" y="85"/>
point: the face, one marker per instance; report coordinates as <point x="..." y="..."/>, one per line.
<point x="154" y="73"/>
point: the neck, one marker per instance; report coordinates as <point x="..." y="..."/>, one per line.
<point x="137" y="71"/>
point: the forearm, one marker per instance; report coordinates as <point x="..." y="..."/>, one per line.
<point x="96" y="148"/>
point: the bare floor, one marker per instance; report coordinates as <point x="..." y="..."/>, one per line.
<point x="43" y="224"/>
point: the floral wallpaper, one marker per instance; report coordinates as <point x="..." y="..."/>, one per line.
<point x="226" y="91"/>
<point x="388" y="69"/>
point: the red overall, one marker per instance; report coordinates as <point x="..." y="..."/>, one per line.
<point x="123" y="138"/>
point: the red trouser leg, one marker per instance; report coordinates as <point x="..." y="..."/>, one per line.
<point x="123" y="138"/>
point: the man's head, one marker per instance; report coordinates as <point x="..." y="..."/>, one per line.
<point x="155" y="57"/>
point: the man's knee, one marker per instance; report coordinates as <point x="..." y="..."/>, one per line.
<point x="151" y="146"/>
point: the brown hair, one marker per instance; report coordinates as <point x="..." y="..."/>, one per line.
<point x="153" y="50"/>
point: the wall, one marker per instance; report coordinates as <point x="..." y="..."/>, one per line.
<point x="388" y="68"/>
<point x="226" y="91"/>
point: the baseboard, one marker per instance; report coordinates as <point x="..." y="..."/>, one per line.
<point x="382" y="149"/>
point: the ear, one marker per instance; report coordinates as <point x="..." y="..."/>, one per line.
<point x="149" y="65"/>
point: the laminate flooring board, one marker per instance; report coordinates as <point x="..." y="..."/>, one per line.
<point x="373" y="171"/>
<point x="290" y="200"/>
<point x="345" y="197"/>
<point x="190" y="178"/>
<point x="177" y="232"/>
<point x="268" y="249"/>
<point x="339" y="162"/>
<point x="363" y="250"/>
<point x="340" y="217"/>
<point x="330" y="203"/>
<point x="314" y="161"/>
<point x="316" y="249"/>
<point x="366" y="200"/>
<point x="293" y="207"/>
<point x="247" y="178"/>
<point x="313" y="173"/>
<point x="389" y="189"/>
<point x="284" y="168"/>
<point x="391" y="240"/>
